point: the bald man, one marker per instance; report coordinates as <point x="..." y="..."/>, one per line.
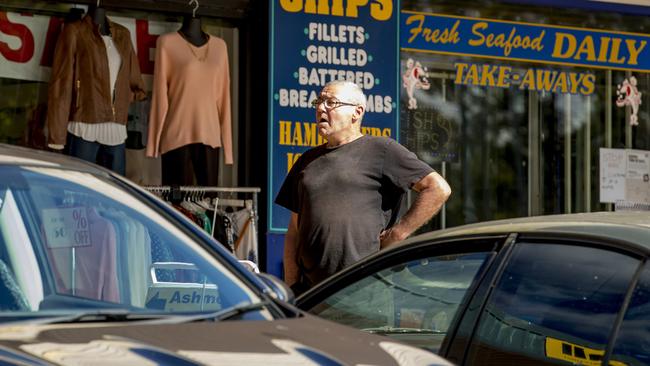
<point x="344" y="195"/>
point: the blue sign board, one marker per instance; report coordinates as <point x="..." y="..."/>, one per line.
<point x="315" y="42"/>
<point x="495" y="39"/>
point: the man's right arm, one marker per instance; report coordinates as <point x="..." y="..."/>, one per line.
<point x="291" y="251"/>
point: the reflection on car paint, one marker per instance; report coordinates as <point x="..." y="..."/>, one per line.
<point x="121" y="351"/>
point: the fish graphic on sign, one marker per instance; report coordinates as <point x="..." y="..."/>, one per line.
<point x="629" y="95"/>
<point x="414" y="77"/>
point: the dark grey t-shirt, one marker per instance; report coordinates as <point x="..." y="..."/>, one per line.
<point x="344" y="197"/>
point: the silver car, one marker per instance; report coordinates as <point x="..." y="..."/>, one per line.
<point x="547" y="290"/>
<point x="96" y="271"/>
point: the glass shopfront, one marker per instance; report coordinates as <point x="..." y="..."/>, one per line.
<point x="509" y="148"/>
<point x="519" y="135"/>
<point x="28" y="35"/>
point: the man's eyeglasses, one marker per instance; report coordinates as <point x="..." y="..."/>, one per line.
<point x="330" y="103"/>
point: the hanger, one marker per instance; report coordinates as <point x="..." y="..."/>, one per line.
<point x="196" y="6"/>
<point x="194" y="199"/>
<point x="189" y="203"/>
<point x="204" y="202"/>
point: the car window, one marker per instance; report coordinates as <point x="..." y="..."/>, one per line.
<point x="553" y="304"/>
<point x="632" y="346"/>
<point x="71" y="240"/>
<point x="413" y="301"/>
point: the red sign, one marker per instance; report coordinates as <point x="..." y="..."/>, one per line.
<point x="28" y="41"/>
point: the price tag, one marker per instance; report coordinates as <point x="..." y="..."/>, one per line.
<point x="66" y="227"/>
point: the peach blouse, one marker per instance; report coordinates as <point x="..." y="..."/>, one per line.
<point x="191" y="96"/>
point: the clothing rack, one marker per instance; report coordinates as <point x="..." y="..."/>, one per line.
<point x="205" y="189"/>
<point x="178" y="193"/>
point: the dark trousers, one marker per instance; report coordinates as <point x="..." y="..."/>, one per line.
<point x="111" y="157"/>
<point x="181" y="166"/>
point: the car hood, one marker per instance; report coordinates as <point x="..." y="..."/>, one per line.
<point x="301" y="341"/>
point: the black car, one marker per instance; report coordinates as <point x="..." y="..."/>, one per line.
<point x="547" y="290"/>
<point x="94" y="270"/>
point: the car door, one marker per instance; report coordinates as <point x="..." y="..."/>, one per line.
<point x="412" y="293"/>
<point x="556" y="301"/>
<point x="631" y="345"/>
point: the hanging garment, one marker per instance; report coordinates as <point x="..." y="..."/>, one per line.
<point x="223" y="230"/>
<point x="121" y="236"/>
<point x="246" y="243"/>
<point x="139" y="263"/>
<point x="197" y="214"/>
<point x="191" y="96"/>
<point x="106" y="133"/>
<point x="205" y="222"/>
<point x="185" y="212"/>
<point x="134" y="253"/>
<point x="95" y="275"/>
<point x="80" y="71"/>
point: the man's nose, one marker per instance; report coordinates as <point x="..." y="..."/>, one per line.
<point x="321" y="107"/>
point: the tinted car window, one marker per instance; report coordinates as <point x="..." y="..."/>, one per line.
<point x="632" y="346"/>
<point x="70" y="240"/>
<point x="413" y="301"/>
<point x="553" y="304"/>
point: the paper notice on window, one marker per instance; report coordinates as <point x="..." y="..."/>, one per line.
<point x="66" y="227"/>
<point x="612" y="174"/>
<point x="637" y="179"/>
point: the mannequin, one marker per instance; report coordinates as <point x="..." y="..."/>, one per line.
<point x="192" y="32"/>
<point x="95" y="76"/>
<point x="191" y="139"/>
<point x="98" y="15"/>
<point x="74" y="14"/>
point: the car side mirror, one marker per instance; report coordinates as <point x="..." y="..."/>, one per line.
<point x="278" y="289"/>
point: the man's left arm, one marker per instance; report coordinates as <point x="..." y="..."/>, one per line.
<point x="433" y="193"/>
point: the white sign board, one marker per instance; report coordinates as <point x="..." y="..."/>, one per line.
<point x="612" y="175"/>
<point x="637" y="180"/>
<point x="624" y="175"/>
<point x="66" y="227"/>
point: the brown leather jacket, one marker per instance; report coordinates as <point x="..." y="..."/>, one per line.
<point x="79" y="87"/>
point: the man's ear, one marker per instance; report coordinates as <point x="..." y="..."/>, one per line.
<point x="358" y="112"/>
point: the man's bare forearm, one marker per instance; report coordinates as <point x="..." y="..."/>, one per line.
<point x="433" y="193"/>
<point x="291" y="252"/>
<point x="426" y="205"/>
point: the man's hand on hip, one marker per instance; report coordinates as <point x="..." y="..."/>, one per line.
<point x="389" y="237"/>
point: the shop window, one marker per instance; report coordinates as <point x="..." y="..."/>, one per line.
<point x="26" y="63"/>
<point x="511" y="152"/>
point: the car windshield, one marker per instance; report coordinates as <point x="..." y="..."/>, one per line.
<point x="74" y="242"/>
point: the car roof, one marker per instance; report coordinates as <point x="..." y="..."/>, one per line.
<point x="630" y="226"/>
<point x="17" y="155"/>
